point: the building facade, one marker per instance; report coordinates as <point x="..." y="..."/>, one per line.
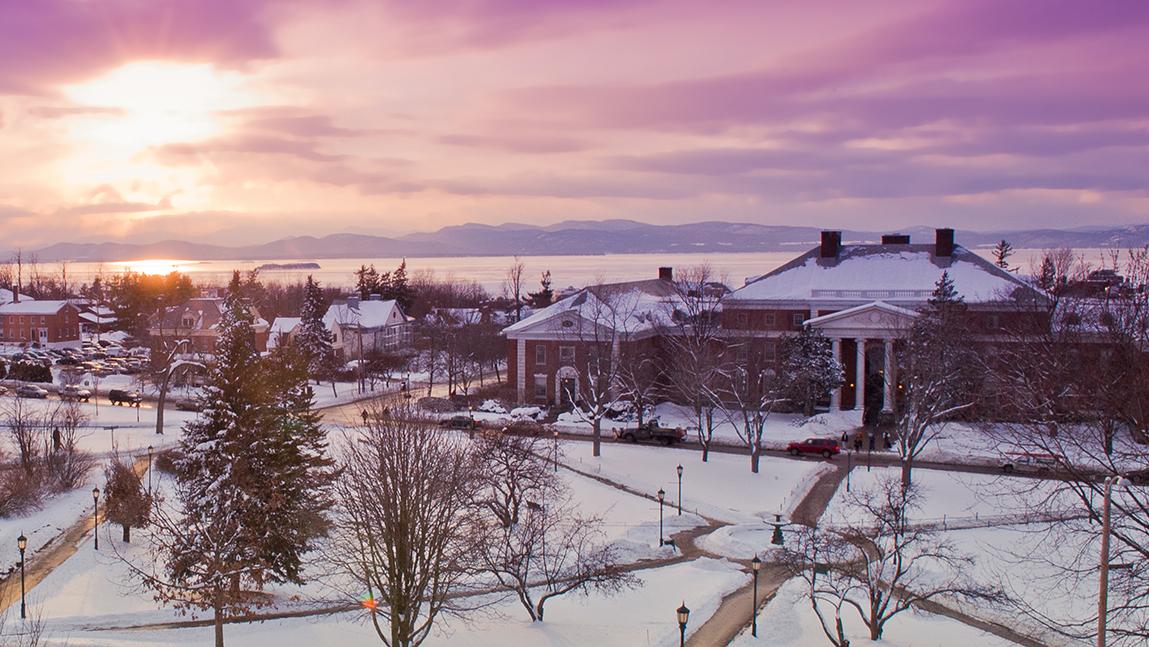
<point x="197" y="320"/>
<point x="40" y="324"/>
<point x="363" y="327"/>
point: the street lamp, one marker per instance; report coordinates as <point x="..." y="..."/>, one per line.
<point x="22" y="544"/>
<point x="683" y="616"/>
<point x="661" y="498"/>
<point x="1103" y="590"/>
<point x="755" y="565"/>
<point x="150" y="450"/>
<point x="96" y="515"/>
<point x="679" y="468"/>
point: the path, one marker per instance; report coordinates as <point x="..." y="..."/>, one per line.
<point x="734" y="613"/>
<point x="53" y="554"/>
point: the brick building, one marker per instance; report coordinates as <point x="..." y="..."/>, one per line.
<point x="40" y="324"/>
<point x="197" y="320"/>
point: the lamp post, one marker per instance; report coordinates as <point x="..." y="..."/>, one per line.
<point x="556" y="451"/>
<point x="96" y="515"/>
<point x="22" y="544"/>
<point x="683" y="616"/>
<point x="1103" y="589"/>
<point x="679" y="468"/>
<point x="849" y="459"/>
<point x="755" y="565"/>
<point x="150" y="450"/>
<point x="661" y="498"/>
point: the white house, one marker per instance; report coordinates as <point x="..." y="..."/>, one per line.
<point x="360" y="327"/>
<point x="282" y="331"/>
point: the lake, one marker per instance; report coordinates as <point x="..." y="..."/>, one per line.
<point x="488" y="271"/>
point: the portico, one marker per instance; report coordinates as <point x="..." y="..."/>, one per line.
<point x="863" y="339"/>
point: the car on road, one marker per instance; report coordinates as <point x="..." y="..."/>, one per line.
<point x="120" y="396"/>
<point x="651" y="430"/>
<point x="73" y="392"/>
<point x="1028" y="460"/>
<point x="523" y="427"/>
<point x="459" y="422"/>
<point x="30" y="391"/>
<point x="825" y="447"/>
<point x="189" y="404"/>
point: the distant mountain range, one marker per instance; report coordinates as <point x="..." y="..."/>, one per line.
<point x="571" y="238"/>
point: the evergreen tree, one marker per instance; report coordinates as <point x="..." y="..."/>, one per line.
<point x="945" y="296"/>
<point x="253" y="480"/>
<point x="1001" y="253"/>
<point x="1047" y="275"/>
<point x="400" y="288"/>
<point x="545" y="296"/>
<point x="366" y="281"/>
<point x="126" y="502"/>
<point x="313" y="338"/>
<point x="809" y="368"/>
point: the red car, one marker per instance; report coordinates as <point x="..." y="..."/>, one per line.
<point x="825" y="446"/>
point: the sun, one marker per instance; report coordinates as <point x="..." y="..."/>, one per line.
<point x="150" y="103"/>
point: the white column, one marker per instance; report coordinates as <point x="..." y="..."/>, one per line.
<point x="860" y="375"/>
<point x="836" y="394"/>
<point x="888" y="400"/>
<point x="521" y="369"/>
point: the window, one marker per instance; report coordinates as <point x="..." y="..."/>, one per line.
<point x="566" y="354"/>
<point x="769" y="352"/>
<point x="769" y="318"/>
<point x="540" y="387"/>
<point x="743" y="354"/>
<point x="740" y="318"/>
<point x="993" y="321"/>
<point x="797" y="318"/>
<point x="540" y="354"/>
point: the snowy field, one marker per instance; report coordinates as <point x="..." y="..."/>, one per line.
<point x="788" y="621"/>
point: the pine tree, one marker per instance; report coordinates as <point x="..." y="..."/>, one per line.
<point x="1001" y="253"/>
<point x="545" y="296"/>
<point x="401" y="288"/>
<point x="1047" y="275"/>
<point x="945" y="295"/>
<point x="809" y="368"/>
<point x="314" y="339"/>
<point x="126" y="502"/>
<point x="366" y="281"/>
<point x="253" y="480"/>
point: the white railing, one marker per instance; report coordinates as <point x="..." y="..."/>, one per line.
<point x="872" y="294"/>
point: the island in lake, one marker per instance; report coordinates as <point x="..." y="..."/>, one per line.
<point x="288" y="266"/>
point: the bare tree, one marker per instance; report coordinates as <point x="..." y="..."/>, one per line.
<point x="169" y="366"/>
<point x="879" y="563"/>
<point x="513" y="473"/>
<point x="513" y="284"/>
<point x="698" y="353"/>
<point x="405" y="533"/>
<point x="936" y="368"/>
<point x="27" y="426"/>
<point x="550" y="552"/>
<point x="748" y="398"/>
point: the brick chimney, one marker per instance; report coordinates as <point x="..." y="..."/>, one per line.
<point x="666" y="273"/>
<point x="944" y="242"/>
<point x="831" y="244"/>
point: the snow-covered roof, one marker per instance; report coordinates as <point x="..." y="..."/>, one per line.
<point x="32" y="307"/>
<point x="203" y="313"/>
<point x="6" y="296"/>
<point x="632" y="307"/>
<point x="365" y="314"/>
<point x="96" y="319"/>
<point x="103" y="311"/>
<point x="282" y="326"/>
<point x="879" y="306"/>
<point x="899" y="273"/>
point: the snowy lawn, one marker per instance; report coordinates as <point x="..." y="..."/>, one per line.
<point x="640" y="616"/>
<point x="723" y="488"/>
<point x="948" y="496"/>
<point x="789" y="621"/>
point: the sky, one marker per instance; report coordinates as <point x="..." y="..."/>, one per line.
<point x="240" y="122"/>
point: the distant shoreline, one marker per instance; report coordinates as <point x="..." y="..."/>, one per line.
<point x="287" y="266"/>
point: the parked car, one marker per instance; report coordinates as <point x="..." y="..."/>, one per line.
<point x="120" y="396"/>
<point x="826" y="447"/>
<point x="523" y="426"/>
<point x="73" y="392"/>
<point x="30" y="391"/>
<point x="459" y="422"/>
<point x="1032" y="460"/>
<point x="650" y="430"/>
<point x="189" y="404"/>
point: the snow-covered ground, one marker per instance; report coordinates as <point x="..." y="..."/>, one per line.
<point x="788" y="621"/>
<point x="723" y="488"/>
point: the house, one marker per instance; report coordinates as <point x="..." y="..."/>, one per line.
<point x="360" y="327"/>
<point x="40" y="324"/>
<point x="7" y="296"/>
<point x="197" y="320"/>
<point x="282" y="332"/>
<point x="549" y="353"/>
<point x="865" y="297"/>
<point x="95" y="319"/>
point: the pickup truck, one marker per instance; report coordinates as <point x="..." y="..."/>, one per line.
<point x="650" y="430"/>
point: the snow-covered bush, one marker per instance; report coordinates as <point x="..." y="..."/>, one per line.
<point x="492" y="406"/>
